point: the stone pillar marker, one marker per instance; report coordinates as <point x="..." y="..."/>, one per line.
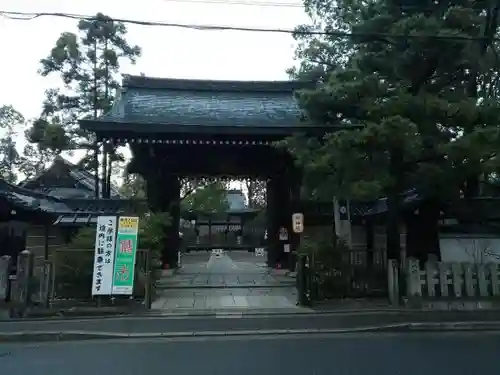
<point x="495" y="280"/>
<point x="414" y="284"/>
<point x="444" y="278"/>
<point x="5" y="262"/>
<point x="482" y="280"/>
<point x="393" y="281"/>
<point x="21" y="288"/>
<point x="431" y="275"/>
<point x="24" y="277"/>
<point x="470" y="288"/>
<point x="456" y="275"/>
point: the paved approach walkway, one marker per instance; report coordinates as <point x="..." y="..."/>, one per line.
<point x="234" y="280"/>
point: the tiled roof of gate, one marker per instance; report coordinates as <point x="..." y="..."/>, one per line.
<point x="184" y="102"/>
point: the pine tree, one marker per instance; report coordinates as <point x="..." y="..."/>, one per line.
<point x="408" y="93"/>
<point x="88" y="63"/>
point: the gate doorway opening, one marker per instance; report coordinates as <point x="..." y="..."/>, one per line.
<point x="240" y="226"/>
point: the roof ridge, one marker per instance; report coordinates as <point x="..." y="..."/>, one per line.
<point x="57" y="158"/>
<point x="4" y="185"/>
<point x="184" y="84"/>
<point x="73" y="168"/>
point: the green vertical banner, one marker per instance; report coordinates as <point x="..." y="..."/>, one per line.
<point x="125" y="254"/>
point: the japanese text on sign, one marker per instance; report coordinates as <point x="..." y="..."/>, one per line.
<point x="126" y="248"/>
<point x="128" y="224"/>
<point x="104" y="255"/>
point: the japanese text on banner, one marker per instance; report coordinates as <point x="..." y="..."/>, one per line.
<point x="126" y="248"/>
<point x="104" y="256"/>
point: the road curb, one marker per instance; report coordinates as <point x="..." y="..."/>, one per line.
<point x="303" y="311"/>
<point x="89" y="335"/>
<point x="189" y="313"/>
<point x="215" y="314"/>
<point x="40" y="336"/>
<point x="247" y="314"/>
<point x="455" y="326"/>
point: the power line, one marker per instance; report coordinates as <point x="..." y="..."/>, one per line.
<point x="26" y="16"/>
<point x="241" y="2"/>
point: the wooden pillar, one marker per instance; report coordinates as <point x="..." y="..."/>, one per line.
<point x="370" y="240"/>
<point x="273" y="222"/>
<point x="283" y="199"/>
<point x="173" y="189"/>
<point x="283" y="208"/>
<point x="209" y="221"/>
<point x="422" y="231"/>
<point x="295" y="207"/>
<point x="104" y="171"/>
<point x="163" y="194"/>
<point x="226" y="231"/>
<point x="96" y="175"/>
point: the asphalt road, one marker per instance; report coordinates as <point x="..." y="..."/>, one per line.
<point x="394" y="354"/>
<point x="242" y="323"/>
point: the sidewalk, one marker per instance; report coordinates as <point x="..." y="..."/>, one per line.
<point x="242" y="298"/>
<point x="224" y="325"/>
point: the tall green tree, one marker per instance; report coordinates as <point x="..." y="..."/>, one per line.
<point x="320" y="54"/>
<point x="10" y="158"/>
<point x="404" y="92"/>
<point x="88" y="64"/>
<point x="211" y="197"/>
<point x="133" y="186"/>
<point x="256" y="193"/>
<point x="14" y="163"/>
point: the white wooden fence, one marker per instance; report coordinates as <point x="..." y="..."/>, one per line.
<point x="452" y="280"/>
<point x="441" y="284"/>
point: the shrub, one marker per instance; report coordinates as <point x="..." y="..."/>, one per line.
<point x="328" y="263"/>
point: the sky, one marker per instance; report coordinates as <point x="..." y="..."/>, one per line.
<point x="167" y="52"/>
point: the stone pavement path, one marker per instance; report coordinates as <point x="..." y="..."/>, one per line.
<point x="236" y="280"/>
<point x="231" y="269"/>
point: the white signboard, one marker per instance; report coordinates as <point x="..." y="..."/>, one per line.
<point x="298" y="222"/>
<point x="283" y="234"/>
<point x="102" y="279"/>
<point x="286" y="248"/>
